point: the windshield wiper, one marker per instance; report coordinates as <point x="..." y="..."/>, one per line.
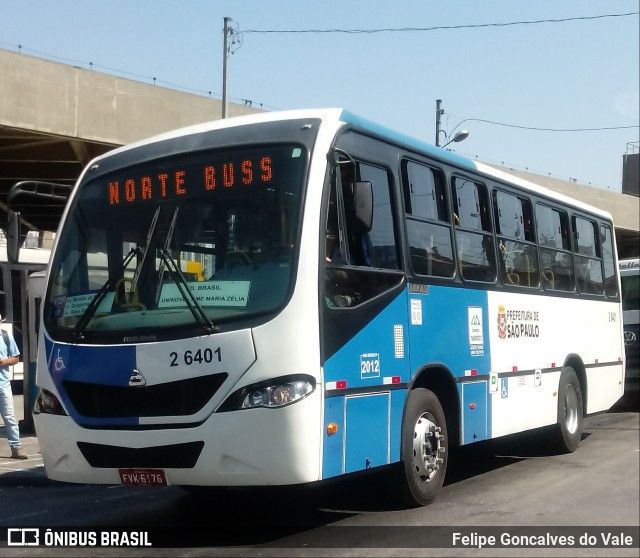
<point x="178" y="278"/>
<point x="145" y="251"/>
<point x="80" y="327"/>
<point x="167" y="242"/>
<point x="192" y="302"/>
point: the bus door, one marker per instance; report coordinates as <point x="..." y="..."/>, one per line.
<point x="364" y="322"/>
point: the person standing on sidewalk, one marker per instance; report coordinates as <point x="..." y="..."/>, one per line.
<point x="9" y="354"/>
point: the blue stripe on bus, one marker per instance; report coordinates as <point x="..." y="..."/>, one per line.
<point x="450" y="329"/>
<point x="444" y="335"/>
<point x="369" y="424"/>
<point x="372" y="354"/>
<point x="109" y="365"/>
<point x="451" y="318"/>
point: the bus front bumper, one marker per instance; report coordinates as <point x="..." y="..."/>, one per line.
<point x="252" y="447"/>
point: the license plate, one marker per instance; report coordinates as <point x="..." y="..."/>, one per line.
<point x="151" y="477"/>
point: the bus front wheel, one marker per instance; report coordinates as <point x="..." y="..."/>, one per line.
<point x="570" y="412"/>
<point x="424" y="448"/>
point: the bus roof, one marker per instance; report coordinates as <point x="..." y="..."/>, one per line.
<point x="339" y="116"/>
<point x="468" y="164"/>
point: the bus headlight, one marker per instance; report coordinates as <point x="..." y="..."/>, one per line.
<point x="278" y="392"/>
<point x="48" y="403"/>
<point x="278" y="395"/>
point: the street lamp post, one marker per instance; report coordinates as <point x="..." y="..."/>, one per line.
<point x="225" y="62"/>
<point x="439" y="112"/>
<point x="460" y="136"/>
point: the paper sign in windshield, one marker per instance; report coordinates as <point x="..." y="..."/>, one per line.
<point x="207" y="293"/>
<point x="75" y="305"/>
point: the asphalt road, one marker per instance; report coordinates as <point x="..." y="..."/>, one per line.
<point x="496" y="489"/>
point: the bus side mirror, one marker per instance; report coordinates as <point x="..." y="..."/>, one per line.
<point x="14" y="236"/>
<point x="363" y="205"/>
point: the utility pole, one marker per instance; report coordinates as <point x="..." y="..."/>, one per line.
<point x="225" y="61"/>
<point x="439" y="112"/>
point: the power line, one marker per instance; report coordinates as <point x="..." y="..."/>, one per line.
<point x="603" y="128"/>
<point x="247" y="102"/>
<point x="438" y="27"/>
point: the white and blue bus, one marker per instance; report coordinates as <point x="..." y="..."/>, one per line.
<point x="363" y="301"/>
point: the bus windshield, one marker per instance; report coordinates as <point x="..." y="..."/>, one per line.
<point x="178" y="242"/>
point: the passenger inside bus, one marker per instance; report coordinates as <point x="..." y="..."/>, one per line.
<point x="340" y="283"/>
<point x="339" y="288"/>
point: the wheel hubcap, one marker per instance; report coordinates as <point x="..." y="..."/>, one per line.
<point x="428" y="444"/>
<point x="571" y="408"/>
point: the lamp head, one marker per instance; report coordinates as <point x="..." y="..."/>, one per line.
<point x="460" y="136"/>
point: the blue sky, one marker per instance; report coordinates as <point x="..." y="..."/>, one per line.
<point x="570" y="75"/>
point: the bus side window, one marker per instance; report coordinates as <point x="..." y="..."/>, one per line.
<point x="348" y="238"/>
<point x="380" y="249"/>
<point x="608" y="261"/>
<point x="517" y="248"/>
<point x="352" y="250"/>
<point x="339" y="287"/>
<point x="555" y="250"/>
<point x="587" y="256"/>
<point x="428" y="228"/>
<point x="474" y="238"/>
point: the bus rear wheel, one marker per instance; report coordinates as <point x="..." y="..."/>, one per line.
<point x="570" y="412"/>
<point x="424" y="450"/>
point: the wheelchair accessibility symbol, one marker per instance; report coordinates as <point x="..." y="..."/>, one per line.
<point x="504" y="388"/>
<point x="59" y="363"/>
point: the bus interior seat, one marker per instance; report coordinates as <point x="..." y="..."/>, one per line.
<point x="512" y="278"/>
<point x="549" y="279"/>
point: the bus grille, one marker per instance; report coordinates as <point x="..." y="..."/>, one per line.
<point x="180" y="398"/>
<point x="177" y="456"/>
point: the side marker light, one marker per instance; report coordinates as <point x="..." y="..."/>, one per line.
<point x="332" y="428"/>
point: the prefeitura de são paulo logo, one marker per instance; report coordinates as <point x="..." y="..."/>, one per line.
<point x="518" y="324"/>
<point x="502" y="322"/>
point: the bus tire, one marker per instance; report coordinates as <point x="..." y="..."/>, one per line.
<point x="424" y="451"/>
<point x="570" y="412"/>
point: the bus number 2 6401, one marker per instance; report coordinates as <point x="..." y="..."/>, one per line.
<point x="196" y="357"/>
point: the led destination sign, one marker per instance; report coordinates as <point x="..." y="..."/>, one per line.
<point x="193" y="180"/>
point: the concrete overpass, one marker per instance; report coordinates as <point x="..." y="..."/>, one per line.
<point x="54" y="118"/>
